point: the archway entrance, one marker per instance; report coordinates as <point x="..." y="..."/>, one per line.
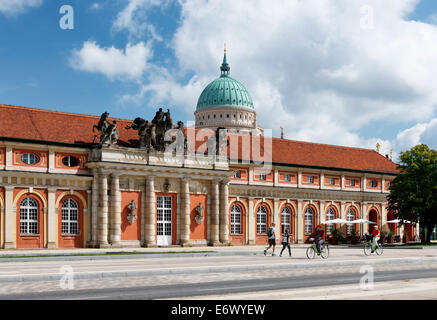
<point x="373" y="216"/>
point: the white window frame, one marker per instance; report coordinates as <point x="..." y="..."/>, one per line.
<point x="285" y="219"/>
<point x="235" y="219"/>
<point x="29" y="206"/>
<point x="261" y="220"/>
<point x="262" y="176"/>
<point x="330" y="215"/>
<point x="350" y="216"/>
<point x="69" y="208"/>
<point x="309" y="223"/>
<point x="30" y="158"/>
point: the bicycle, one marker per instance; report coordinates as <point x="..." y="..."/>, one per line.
<point x="312" y="250"/>
<point x="369" y="246"/>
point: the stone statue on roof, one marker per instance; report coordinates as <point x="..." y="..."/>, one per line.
<point x="109" y="133"/>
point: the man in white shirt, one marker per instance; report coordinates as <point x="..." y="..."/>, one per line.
<point x="271" y="234"/>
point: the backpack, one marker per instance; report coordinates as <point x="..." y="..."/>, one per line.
<point x="270" y="232"/>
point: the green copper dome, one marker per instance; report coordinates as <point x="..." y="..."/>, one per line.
<point x="224" y="92"/>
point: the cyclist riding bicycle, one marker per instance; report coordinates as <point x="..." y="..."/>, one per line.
<point x="320" y="238"/>
<point x="376" y="235"/>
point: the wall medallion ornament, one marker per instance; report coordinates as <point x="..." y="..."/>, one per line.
<point x="131" y="216"/>
<point x="199" y="216"/>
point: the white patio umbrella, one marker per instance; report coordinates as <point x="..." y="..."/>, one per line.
<point x="335" y="221"/>
<point x="361" y="221"/>
<point x="397" y="221"/>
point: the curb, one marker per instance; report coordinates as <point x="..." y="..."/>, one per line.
<point x="118" y="274"/>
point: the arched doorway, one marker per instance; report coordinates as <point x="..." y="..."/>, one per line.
<point x="373" y="216"/>
<point x="391" y="227"/>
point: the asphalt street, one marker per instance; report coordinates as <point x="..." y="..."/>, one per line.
<point x="222" y="287"/>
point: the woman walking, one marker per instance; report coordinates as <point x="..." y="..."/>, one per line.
<point x="286" y="242"/>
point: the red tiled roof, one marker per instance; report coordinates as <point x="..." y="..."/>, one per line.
<point x="62" y="127"/>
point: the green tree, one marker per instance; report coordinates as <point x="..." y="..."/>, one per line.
<point x="413" y="193"/>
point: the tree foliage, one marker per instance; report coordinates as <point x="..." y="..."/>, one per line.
<point x="413" y="193"/>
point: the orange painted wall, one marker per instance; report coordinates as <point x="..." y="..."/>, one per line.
<point x="70" y="241"/>
<point x="198" y="231"/>
<point x="269" y="176"/>
<point x="244" y="174"/>
<point x="293" y="177"/>
<point x="130" y="231"/>
<point x="337" y="181"/>
<point x="347" y="181"/>
<point x="305" y="179"/>
<point x="30" y="242"/>
<point x="81" y="157"/>
<point x="43" y="158"/>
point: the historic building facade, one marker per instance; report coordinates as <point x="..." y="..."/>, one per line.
<point x="71" y="180"/>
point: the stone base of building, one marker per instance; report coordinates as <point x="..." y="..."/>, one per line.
<point x="9" y="245"/>
<point x="52" y="245"/>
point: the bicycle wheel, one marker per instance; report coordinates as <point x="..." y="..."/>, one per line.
<point x="311" y="253"/>
<point x="325" y="252"/>
<point x="379" y="250"/>
<point x="367" y="249"/>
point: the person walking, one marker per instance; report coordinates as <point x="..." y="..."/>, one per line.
<point x="286" y="242"/>
<point x="271" y="234"/>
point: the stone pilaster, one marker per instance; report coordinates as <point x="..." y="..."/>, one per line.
<point x="214" y="240"/>
<point x="10" y="219"/>
<point x="150" y="216"/>
<point x="299" y="222"/>
<point x="115" y="211"/>
<point x="94" y="208"/>
<point x="251" y="222"/>
<point x="185" y="211"/>
<point x="224" y="212"/>
<point x="102" y="227"/>
<point x="51" y="219"/>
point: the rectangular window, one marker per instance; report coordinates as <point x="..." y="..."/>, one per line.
<point x="310" y="179"/>
<point x="237" y="174"/>
<point x="332" y="181"/>
<point x="262" y="176"/>
<point x="287" y="177"/>
<point x="352" y="182"/>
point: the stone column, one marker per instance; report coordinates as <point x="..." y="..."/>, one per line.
<point x="214" y="240"/>
<point x="102" y="228"/>
<point x="322" y="213"/>
<point x="277" y="216"/>
<point x="115" y="211"/>
<point x="10" y="219"/>
<point x="88" y="212"/>
<point x="299" y="223"/>
<point x="185" y="212"/>
<point x="51" y="219"/>
<point x="94" y="208"/>
<point x="224" y="212"/>
<point x="150" y="216"/>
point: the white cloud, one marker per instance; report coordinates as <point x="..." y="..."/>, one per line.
<point x="127" y="64"/>
<point x="96" y="6"/>
<point x="14" y="7"/>
<point x="309" y="65"/>
<point x="134" y="18"/>
<point x="420" y="133"/>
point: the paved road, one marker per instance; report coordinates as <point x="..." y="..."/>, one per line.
<point x="206" y="289"/>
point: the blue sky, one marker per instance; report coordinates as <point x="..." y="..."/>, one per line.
<point x="47" y="67"/>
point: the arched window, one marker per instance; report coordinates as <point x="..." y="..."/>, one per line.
<point x="330" y="215"/>
<point x="350" y="217"/>
<point x="286" y="219"/>
<point x="70" y="217"/>
<point x="309" y="220"/>
<point x="29" y="216"/>
<point x="261" y="220"/>
<point x="235" y="220"/>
